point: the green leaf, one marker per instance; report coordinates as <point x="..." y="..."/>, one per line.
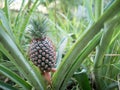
<point x="5" y="86"/>
<point x="17" y="19"/>
<point x="4" y="21"/>
<point x="105" y="41"/>
<point x="88" y="5"/>
<point x="83" y="80"/>
<point x="98" y="8"/>
<point x="61" y="50"/>
<point x="117" y="66"/>
<point x="26" y="20"/>
<point x="6" y="10"/>
<point x="112" y="86"/>
<point x="116" y="35"/>
<point x="14" y="77"/>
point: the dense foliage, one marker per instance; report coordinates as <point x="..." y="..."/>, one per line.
<point x="86" y="34"/>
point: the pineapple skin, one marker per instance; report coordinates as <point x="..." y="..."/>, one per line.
<point x="42" y="53"/>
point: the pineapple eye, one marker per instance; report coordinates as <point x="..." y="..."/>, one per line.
<point x="39" y="61"/>
<point x="50" y="57"/>
<point x="46" y="50"/>
<point x="37" y="47"/>
<point x="36" y="53"/>
<point x="43" y="58"/>
<point x="40" y="51"/>
<point x="43" y="48"/>
<point x="50" y="63"/>
<point x="40" y="45"/>
<point x="46" y="66"/>
<point x="39" y="56"/>
<point x="47" y="55"/>
<point x="35" y="50"/>
<point x="46" y="60"/>
<point x="42" y="64"/>
<point x="43" y="53"/>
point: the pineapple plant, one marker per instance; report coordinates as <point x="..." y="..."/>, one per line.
<point x="42" y="51"/>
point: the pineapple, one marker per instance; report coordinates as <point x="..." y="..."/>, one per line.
<point x="42" y="51"/>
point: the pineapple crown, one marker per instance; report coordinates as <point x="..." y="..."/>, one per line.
<point x="39" y="26"/>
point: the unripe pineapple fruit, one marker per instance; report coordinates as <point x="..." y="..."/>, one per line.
<point x="41" y="51"/>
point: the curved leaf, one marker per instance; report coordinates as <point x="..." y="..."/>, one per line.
<point x="83" y="80"/>
<point x="14" y="77"/>
<point x="5" y="86"/>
